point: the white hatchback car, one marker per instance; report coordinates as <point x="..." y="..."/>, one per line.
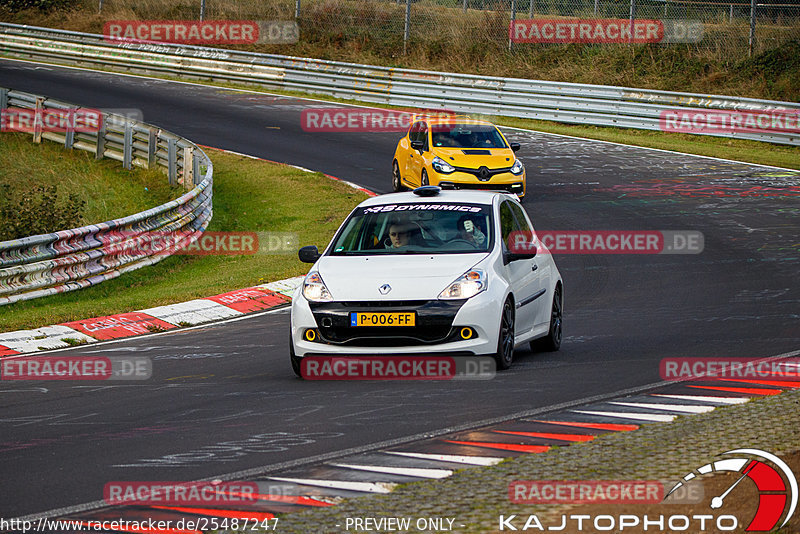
<point x="429" y="272"/>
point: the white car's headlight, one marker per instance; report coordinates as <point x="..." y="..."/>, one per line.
<point x="467" y="285"/>
<point x="314" y="288"/>
<point x="440" y="165"/>
<point x="517" y="168"/>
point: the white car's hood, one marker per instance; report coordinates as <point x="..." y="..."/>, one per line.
<point x="411" y="277"/>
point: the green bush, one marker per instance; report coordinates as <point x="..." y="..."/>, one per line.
<point x="38" y="211"/>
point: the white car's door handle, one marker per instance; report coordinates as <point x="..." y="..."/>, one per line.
<point x="534" y="267"/>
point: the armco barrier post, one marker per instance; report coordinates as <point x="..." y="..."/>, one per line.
<point x="127" y="146"/>
<point x="195" y="169"/>
<point x="152" y="146"/>
<point x="69" y="135"/>
<point x="188" y="167"/>
<point x="100" y="149"/>
<point x="172" y="166"/>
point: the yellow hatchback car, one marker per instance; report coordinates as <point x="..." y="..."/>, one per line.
<point x="458" y="153"/>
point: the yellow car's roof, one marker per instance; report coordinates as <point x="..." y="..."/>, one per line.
<point x="434" y="118"/>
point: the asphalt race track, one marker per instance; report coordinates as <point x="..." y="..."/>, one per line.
<point x="223" y="398"/>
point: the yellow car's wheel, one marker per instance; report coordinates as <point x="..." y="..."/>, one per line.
<point x="424" y="179"/>
<point x="397" y="181"/>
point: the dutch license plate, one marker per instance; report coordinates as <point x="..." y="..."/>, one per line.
<point x="382" y="319"/>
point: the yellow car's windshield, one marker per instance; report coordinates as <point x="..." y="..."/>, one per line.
<point x="466" y="136"/>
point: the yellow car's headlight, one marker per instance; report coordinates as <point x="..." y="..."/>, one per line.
<point x="441" y="166"/>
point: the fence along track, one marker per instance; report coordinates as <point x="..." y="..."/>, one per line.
<point x="554" y="101"/>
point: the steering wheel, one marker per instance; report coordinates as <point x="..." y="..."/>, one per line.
<point x="473" y="245"/>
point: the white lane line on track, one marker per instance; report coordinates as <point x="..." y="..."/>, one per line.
<point x="469" y="460"/>
<point x="667" y="407"/>
<point x="419" y="472"/>
<point x="366" y="487"/>
<point x="377" y="446"/>
<point x="366" y="106"/>
<point x="702" y="398"/>
<point x="97" y="347"/>
<point x="656" y="418"/>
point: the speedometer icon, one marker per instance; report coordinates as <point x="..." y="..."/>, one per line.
<point x="773" y="493"/>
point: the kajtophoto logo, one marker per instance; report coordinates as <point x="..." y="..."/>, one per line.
<point x="772" y="490"/>
<point x="775" y="499"/>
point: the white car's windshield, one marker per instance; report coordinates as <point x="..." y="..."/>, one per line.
<point x="417" y="228"/>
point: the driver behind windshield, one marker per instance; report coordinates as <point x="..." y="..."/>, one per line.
<point x="399" y="233"/>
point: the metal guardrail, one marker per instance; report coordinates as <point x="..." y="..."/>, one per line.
<point x="553" y="101"/>
<point x="46" y="264"/>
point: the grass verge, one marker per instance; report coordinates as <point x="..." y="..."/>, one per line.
<point x="249" y="195"/>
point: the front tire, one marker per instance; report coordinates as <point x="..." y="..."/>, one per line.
<point x="293" y="358"/>
<point x="424" y="180"/>
<point x="505" y="341"/>
<point x="397" y="180"/>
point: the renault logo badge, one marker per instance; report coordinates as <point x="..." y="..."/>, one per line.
<point x="483" y="174"/>
<point x="385" y="288"/>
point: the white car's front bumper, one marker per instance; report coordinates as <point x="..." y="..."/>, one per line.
<point x="481" y="313"/>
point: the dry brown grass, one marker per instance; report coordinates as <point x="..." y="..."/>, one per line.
<point x="446" y="39"/>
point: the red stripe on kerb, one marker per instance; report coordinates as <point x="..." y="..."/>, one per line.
<point x="218" y="513"/>
<point x="596" y="426"/>
<point x="779" y="383"/>
<point x="545" y="435"/>
<point x="754" y="391"/>
<point x="250" y="299"/>
<point x="5" y="351"/>
<point x="503" y="446"/>
<point x="120" y="325"/>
